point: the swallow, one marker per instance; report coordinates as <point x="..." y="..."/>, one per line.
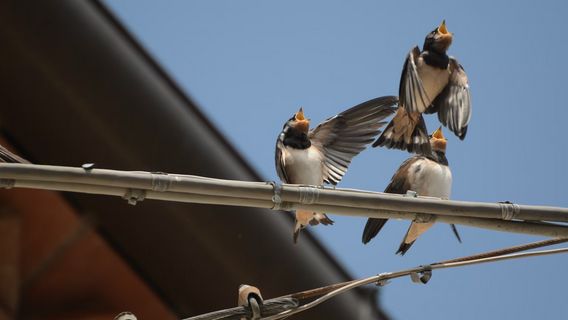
<point x="322" y="155"/>
<point x="427" y="175"/>
<point x="431" y="82"/>
<point x="9" y="157"/>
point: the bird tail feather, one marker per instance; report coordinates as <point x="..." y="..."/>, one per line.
<point x="405" y="132"/>
<point x="414" y="231"/>
<point x="372" y="228"/>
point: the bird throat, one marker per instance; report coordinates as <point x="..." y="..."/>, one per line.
<point x="296" y="139"/>
<point x="435" y="59"/>
<point x="440" y="157"/>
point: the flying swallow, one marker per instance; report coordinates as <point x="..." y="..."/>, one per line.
<point x="312" y="157"/>
<point x="427" y="175"/>
<point x="431" y="82"/>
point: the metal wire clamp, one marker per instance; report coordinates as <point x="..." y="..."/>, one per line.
<point x="509" y="210"/>
<point x="422" y="276"/>
<point x="277" y="197"/>
<point x="134" y="196"/>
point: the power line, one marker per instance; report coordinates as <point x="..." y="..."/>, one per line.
<point x="135" y="186"/>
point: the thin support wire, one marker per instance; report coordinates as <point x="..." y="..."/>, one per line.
<point x="419" y="274"/>
<point x="383" y="277"/>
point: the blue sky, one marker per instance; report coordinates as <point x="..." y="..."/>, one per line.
<point x="251" y="64"/>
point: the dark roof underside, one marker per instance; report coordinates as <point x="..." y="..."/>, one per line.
<point x="75" y="88"/>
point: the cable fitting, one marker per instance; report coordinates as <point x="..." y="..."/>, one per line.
<point x="509" y="210"/>
<point x="161" y="181"/>
<point x="133" y="196"/>
<point x="277" y="197"/>
<point x="422" y="276"/>
<point x="309" y="194"/>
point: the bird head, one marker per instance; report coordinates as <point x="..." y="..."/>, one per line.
<point x="439" y="39"/>
<point x="438" y="141"/>
<point x="299" y="122"/>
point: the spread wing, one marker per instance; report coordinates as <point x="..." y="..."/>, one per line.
<point x="411" y="91"/>
<point x="454" y="102"/>
<point x="345" y="135"/>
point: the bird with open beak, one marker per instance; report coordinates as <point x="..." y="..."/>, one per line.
<point x="431" y="82"/>
<point x="322" y="155"/>
<point x="427" y="175"/>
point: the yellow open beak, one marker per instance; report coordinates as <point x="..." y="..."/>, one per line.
<point x="438" y="134"/>
<point x="300" y="115"/>
<point x="442" y="28"/>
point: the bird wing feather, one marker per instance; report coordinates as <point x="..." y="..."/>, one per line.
<point x="454" y="102"/>
<point x="345" y="135"/>
<point x="412" y="94"/>
<point x="280" y="161"/>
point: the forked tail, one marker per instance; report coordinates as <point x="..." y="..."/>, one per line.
<point x="406" y="131"/>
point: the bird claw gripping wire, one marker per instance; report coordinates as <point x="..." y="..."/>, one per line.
<point x="423" y="218"/>
<point x="420" y="217"/>
<point x="411" y="194"/>
<point x="422" y="276"/>
<point x="509" y="210"/>
<point x="134" y="196"/>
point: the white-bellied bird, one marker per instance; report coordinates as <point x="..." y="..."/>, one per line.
<point x="322" y="155"/>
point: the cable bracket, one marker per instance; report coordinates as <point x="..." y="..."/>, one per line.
<point x="509" y="210"/>
<point x="422" y="276"/>
<point x="161" y="181"/>
<point x="309" y="194"/>
<point x="277" y="197"/>
<point x="383" y="282"/>
<point x="133" y="196"/>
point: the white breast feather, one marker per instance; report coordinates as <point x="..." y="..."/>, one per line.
<point x="304" y="166"/>
<point x="434" y="80"/>
<point x="431" y="179"/>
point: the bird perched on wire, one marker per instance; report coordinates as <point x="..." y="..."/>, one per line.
<point x="431" y="82"/>
<point x="312" y="157"/>
<point x="427" y="175"/>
